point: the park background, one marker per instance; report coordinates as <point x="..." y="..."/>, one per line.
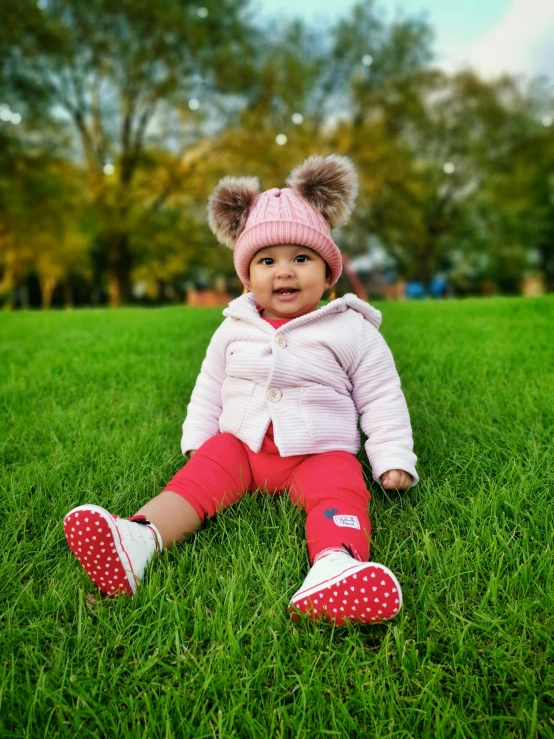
<point x="116" y="122"/>
<point x="118" y="119"/>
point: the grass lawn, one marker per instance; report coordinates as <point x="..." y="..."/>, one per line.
<point x="91" y="404"/>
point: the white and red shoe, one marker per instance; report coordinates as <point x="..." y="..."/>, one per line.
<point x="113" y="551"/>
<point x="338" y="588"/>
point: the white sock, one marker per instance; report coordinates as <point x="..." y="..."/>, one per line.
<point x="326" y="552"/>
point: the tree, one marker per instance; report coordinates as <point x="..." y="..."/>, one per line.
<point x="130" y="76"/>
<point x="381" y="75"/>
<point x="40" y="211"/>
<point x="497" y="160"/>
<point x="317" y="94"/>
<point x="25" y="164"/>
<point x="517" y="198"/>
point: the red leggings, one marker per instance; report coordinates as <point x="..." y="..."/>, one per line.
<point x="329" y="486"/>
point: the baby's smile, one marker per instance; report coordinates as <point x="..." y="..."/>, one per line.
<point x="286" y="294"/>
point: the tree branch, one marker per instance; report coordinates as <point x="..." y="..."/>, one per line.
<point x="187" y="165"/>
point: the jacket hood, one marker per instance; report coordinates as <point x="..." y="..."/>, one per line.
<point x="245" y="308"/>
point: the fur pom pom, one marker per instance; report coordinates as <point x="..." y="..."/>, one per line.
<point x="229" y="205"/>
<point x="330" y="185"/>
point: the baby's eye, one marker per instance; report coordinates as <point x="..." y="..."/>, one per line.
<point x="266" y="260"/>
<point x="302" y="258"/>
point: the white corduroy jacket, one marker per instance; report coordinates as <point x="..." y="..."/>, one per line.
<point x="312" y="378"/>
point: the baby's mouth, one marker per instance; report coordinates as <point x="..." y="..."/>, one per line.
<point x="286" y="290"/>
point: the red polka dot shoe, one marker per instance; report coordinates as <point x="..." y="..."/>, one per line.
<point x="113" y="551"/>
<point x="338" y="588"/>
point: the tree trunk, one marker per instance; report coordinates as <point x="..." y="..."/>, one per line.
<point x="24" y="295"/>
<point x="114" y="293"/>
<point x="47" y="287"/>
<point x="67" y="295"/>
<point x="546" y="251"/>
<point x="7" y="283"/>
<point x="120" y="262"/>
<point x="424" y="262"/>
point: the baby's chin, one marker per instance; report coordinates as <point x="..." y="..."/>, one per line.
<point x="293" y="305"/>
<point x="282" y="313"/>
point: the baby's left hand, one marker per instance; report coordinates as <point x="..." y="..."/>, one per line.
<point x="396" y="480"/>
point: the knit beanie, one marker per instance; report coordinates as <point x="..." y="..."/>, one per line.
<point x="321" y="195"/>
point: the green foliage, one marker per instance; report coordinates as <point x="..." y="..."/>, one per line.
<point x="120" y="72"/>
<point x="148" y="104"/>
<point x="92" y="403"/>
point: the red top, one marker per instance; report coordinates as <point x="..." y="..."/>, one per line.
<point x="275" y="322"/>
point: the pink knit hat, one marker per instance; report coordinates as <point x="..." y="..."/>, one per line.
<point x="322" y="194"/>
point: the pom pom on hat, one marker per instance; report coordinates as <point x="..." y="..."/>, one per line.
<point x="321" y="194"/>
<point x="229" y="205"/>
<point x="329" y="185"/>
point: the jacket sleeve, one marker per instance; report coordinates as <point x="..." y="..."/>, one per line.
<point x="204" y="409"/>
<point x="381" y="404"/>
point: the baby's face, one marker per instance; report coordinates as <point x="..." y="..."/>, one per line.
<point x="287" y="280"/>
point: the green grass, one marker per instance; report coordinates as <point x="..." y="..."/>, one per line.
<point x="91" y="404"/>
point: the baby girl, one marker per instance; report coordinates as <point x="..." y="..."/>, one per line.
<point x="277" y="403"/>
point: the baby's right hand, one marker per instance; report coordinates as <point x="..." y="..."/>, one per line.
<point x="396" y="480"/>
<point x="192" y="451"/>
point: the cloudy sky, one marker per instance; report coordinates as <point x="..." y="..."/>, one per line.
<point x="492" y="36"/>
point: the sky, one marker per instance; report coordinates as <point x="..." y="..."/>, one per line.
<point x="492" y="36"/>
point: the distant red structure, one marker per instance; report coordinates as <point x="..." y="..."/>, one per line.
<point x="207" y="298"/>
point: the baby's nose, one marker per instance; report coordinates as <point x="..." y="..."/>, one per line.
<point x="285" y="268"/>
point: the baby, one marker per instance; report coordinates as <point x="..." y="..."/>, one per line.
<point x="276" y="405"/>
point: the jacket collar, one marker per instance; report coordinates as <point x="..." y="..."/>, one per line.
<point x="244" y="308"/>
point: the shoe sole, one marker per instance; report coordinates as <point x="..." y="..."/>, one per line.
<point x="94" y="539"/>
<point x="366" y="593"/>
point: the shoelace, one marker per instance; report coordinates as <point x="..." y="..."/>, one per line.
<point x="351" y="552"/>
<point x="136" y="534"/>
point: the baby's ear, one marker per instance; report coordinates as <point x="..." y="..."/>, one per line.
<point x="330" y="185"/>
<point x="229" y="205"/>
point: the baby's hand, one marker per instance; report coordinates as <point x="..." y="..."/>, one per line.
<point x="191" y="453"/>
<point x="396" y="480"/>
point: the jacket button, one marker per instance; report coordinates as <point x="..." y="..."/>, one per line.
<point x="273" y="394"/>
<point x="281" y="341"/>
